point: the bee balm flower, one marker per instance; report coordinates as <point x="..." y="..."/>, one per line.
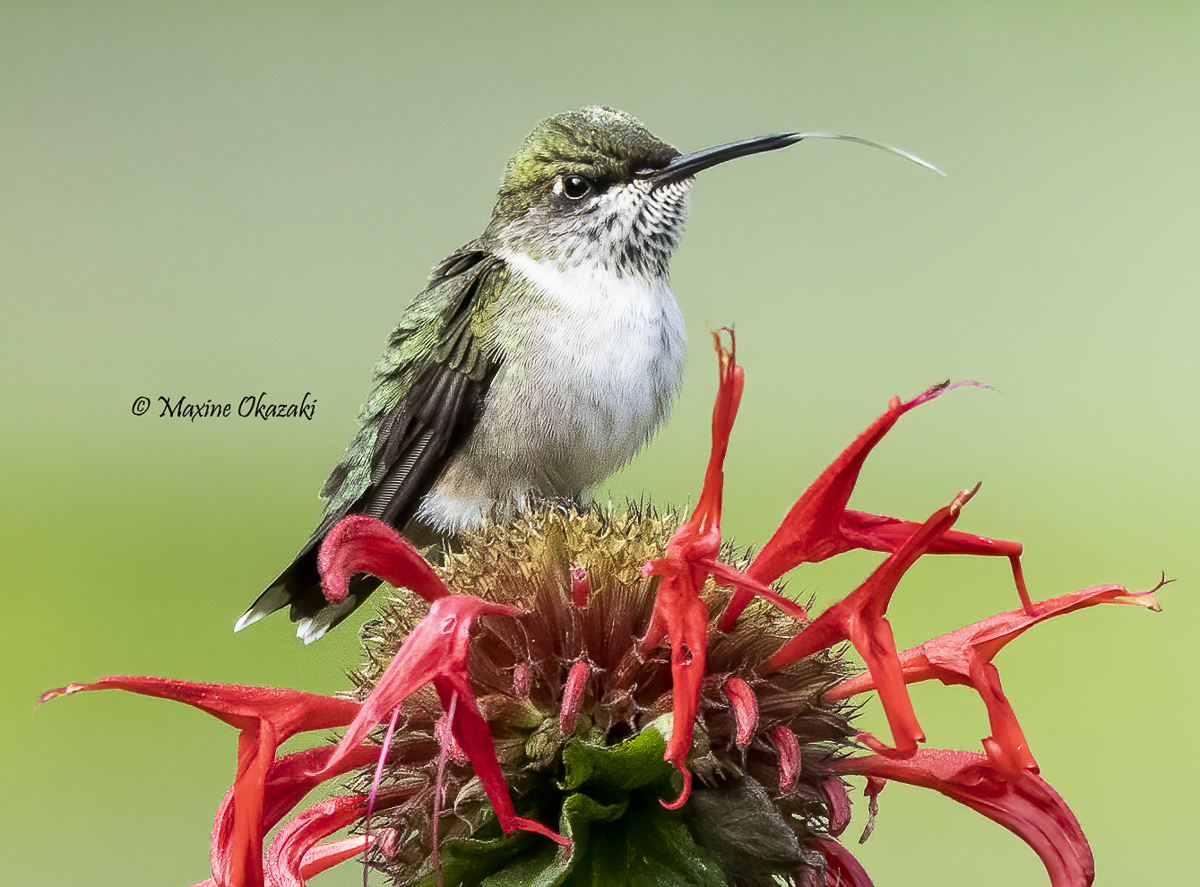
<point x="593" y="698"/>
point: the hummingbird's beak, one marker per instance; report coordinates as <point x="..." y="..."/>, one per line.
<point x="687" y="165"/>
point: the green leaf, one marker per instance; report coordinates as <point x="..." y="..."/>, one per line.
<point x="649" y="846"/>
<point x="622" y="835"/>
<point x="633" y="764"/>
<point x="470" y="861"/>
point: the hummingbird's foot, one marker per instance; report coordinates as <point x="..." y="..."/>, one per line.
<point x="564" y="505"/>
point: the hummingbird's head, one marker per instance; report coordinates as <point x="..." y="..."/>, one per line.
<point x="572" y="194"/>
<point x="595" y="186"/>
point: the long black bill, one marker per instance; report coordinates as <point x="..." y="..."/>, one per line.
<point x="687" y="165"/>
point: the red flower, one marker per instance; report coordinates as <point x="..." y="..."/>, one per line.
<point x="567" y="675"/>
<point x="1001" y="784"/>
<point x="965" y="657"/>
<point x="266" y="717"/>
<point x="820" y="526"/>
<point x="679" y="614"/>
<point x="859" y="618"/>
<point x="435" y="652"/>
<point x="266" y="789"/>
<point x="361" y="544"/>
<point x="1026" y="805"/>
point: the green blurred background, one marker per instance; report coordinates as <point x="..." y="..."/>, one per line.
<point x="221" y="199"/>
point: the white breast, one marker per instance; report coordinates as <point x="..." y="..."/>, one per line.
<point x="586" y="381"/>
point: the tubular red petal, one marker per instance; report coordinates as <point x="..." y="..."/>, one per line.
<point x="841" y="868"/>
<point x="788" y="748"/>
<point x="876" y="532"/>
<point x="1027" y="806"/>
<point x="812" y="530"/>
<point x="964" y="656"/>
<point x="860" y="618"/>
<point x="682" y="618"/>
<point x="437" y="646"/>
<point x="679" y="613"/>
<point x="361" y="544"/>
<point x="325" y="856"/>
<point x="572" y="699"/>
<point x="436" y="651"/>
<point x="745" y="710"/>
<point x="689" y="647"/>
<point x="838" y="804"/>
<point x="729" y="395"/>
<point x="293" y="855"/>
<point x="725" y="575"/>
<point x="266" y="717"/>
<point x="473" y="734"/>
<point x="684" y="793"/>
<point x="288" y="711"/>
<point x="288" y="780"/>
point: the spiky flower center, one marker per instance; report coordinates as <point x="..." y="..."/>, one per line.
<point x="570" y="669"/>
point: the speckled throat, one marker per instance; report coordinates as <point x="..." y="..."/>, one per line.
<point x="630" y="230"/>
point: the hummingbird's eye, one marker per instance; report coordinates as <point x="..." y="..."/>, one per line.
<point x="576" y="187"/>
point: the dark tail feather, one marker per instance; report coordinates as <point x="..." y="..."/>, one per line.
<point x="299" y="587"/>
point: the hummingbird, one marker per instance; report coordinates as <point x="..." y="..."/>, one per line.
<point x="539" y="358"/>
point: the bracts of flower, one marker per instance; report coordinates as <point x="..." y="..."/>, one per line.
<point x="605" y="676"/>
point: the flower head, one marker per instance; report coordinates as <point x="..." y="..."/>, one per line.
<point x="590" y="698"/>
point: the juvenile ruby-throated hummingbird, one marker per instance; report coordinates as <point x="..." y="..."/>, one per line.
<point x="538" y="360"/>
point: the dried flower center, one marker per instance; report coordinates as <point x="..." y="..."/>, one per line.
<point x="568" y="678"/>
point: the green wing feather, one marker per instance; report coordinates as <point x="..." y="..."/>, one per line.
<point x="430" y="386"/>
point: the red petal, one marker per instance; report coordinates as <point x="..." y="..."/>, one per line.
<point x="325" y="856"/>
<point x="812" y="531"/>
<point x="727" y="576"/>
<point x="436" y="651"/>
<point x="860" y="618"/>
<point x="475" y="737"/>
<point x="679" y="614"/>
<point x="437" y="646"/>
<point x="361" y="544"/>
<point x="266" y="717"/>
<point x="288" y="780"/>
<point x="838" y="804"/>
<point x="841" y="868"/>
<point x="788" y="748"/>
<point x="288" y="711"/>
<point x="964" y="656"/>
<point x="293" y="855"/>
<point x="745" y="710"/>
<point x="732" y="379"/>
<point x="1027" y="806"/>
<point x="572" y="699"/>
<point x="875" y="532"/>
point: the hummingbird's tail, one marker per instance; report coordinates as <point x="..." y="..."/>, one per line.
<point x="299" y="588"/>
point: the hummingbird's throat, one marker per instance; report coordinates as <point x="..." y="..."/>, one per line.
<point x="631" y="229"/>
